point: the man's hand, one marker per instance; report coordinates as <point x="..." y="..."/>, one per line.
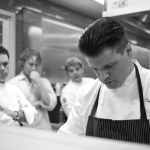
<point x="9" y="113"/>
<point x="36" y="84"/>
<point x="38" y="88"/>
<point x="35" y="76"/>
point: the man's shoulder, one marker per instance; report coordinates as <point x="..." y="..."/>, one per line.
<point x="14" y="79"/>
<point x="68" y="86"/>
<point x="46" y="82"/>
<point x="88" y="79"/>
<point x="145" y="74"/>
<point x="44" y="79"/>
<point x="87" y="93"/>
<point x="145" y="71"/>
<point x="145" y="77"/>
<point x="12" y="87"/>
<point x="91" y="87"/>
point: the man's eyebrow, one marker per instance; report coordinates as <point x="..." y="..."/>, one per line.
<point x="94" y="68"/>
<point x="104" y="66"/>
<point x="110" y="63"/>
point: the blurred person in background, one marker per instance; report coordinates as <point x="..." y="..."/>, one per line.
<point x="36" y="89"/>
<point x="74" y="69"/>
<point x="14" y="107"/>
<point x="117" y="104"/>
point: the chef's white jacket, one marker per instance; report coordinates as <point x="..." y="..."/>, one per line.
<point x="69" y="93"/>
<point x="13" y="99"/>
<point x="117" y="104"/>
<point x="41" y="120"/>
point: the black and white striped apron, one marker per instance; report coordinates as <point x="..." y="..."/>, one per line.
<point x="137" y="130"/>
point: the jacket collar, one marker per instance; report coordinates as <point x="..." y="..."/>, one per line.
<point x="22" y="76"/>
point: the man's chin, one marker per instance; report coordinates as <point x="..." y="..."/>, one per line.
<point x="112" y="86"/>
<point x="77" y="80"/>
<point x="2" y="82"/>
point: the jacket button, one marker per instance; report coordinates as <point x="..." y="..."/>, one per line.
<point x="134" y="102"/>
<point x="101" y="103"/>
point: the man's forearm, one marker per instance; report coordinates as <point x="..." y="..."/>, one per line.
<point x="36" y="104"/>
<point x="44" y="96"/>
<point x="15" y="115"/>
<point x="7" y="120"/>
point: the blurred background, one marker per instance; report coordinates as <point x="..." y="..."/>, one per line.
<point x="53" y="27"/>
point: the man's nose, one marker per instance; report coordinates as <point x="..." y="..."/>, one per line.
<point x="75" y="72"/>
<point x="33" y="67"/>
<point x="104" y="75"/>
<point x="2" y="68"/>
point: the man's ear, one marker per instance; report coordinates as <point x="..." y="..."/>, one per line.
<point x="129" y="50"/>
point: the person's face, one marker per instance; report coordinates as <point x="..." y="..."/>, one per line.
<point x="30" y="65"/>
<point x="4" y="67"/>
<point x="112" y="68"/>
<point x="75" y="73"/>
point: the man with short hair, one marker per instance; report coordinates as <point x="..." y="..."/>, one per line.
<point x="14" y="107"/>
<point x="36" y="89"/>
<point x="117" y="105"/>
<point x="74" y="69"/>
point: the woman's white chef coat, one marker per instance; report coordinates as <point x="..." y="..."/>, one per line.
<point x="116" y="104"/>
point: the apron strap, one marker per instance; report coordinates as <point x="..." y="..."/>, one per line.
<point x="95" y="104"/>
<point x="142" y="106"/>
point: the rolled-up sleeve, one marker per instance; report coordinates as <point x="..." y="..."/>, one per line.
<point x="52" y="95"/>
<point x="74" y="125"/>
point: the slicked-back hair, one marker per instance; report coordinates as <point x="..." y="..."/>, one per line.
<point x="73" y="61"/>
<point x="104" y="33"/>
<point x="4" y="51"/>
<point x="27" y="54"/>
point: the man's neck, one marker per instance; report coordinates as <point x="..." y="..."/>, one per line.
<point x="29" y="79"/>
<point x="78" y="81"/>
<point x="131" y="67"/>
